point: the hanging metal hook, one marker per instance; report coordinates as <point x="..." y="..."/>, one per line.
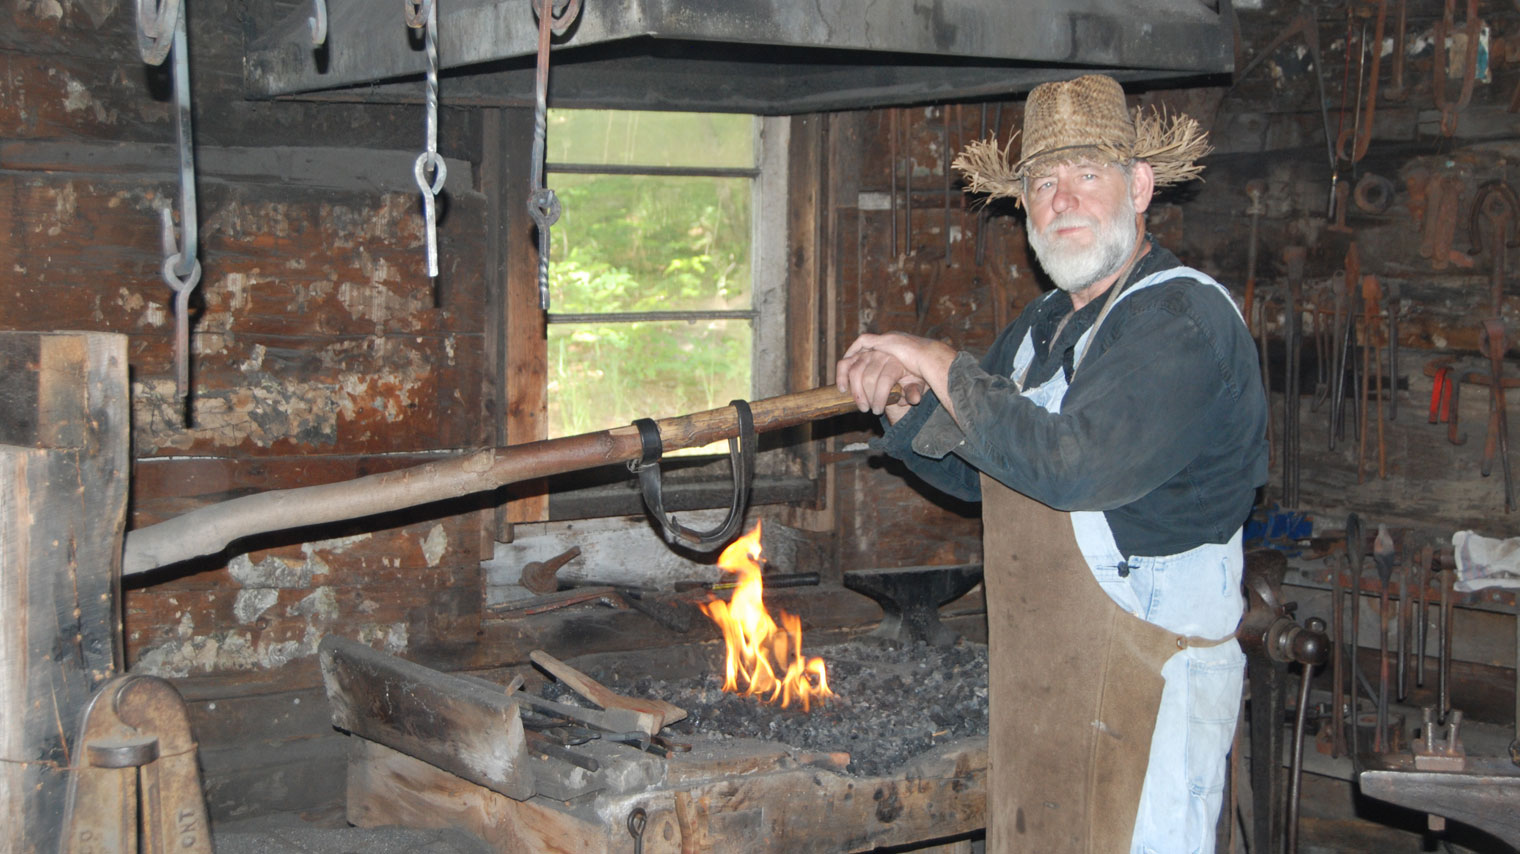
<point x="181" y="269"/>
<point x="543" y="204"/>
<point x="318" y="22"/>
<point x="156" y="20"/>
<point x="428" y="160"/>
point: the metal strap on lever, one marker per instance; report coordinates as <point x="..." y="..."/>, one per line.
<point x="741" y="454"/>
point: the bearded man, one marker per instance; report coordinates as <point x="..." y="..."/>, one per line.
<point x="1115" y="437"/>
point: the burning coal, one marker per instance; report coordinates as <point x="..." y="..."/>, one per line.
<point x="764" y="660"/>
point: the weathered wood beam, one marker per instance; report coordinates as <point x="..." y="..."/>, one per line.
<point x="210" y="529"/>
<point x="63" y="467"/>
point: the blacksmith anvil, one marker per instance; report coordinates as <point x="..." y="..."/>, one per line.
<point x="910" y="599"/>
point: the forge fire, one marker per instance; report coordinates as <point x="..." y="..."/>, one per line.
<point x="763" y="659"/>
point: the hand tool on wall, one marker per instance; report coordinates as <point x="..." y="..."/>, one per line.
<point x="1293" y="259"/>
<point x="1345" y="344"/>
<point x="1341" y="194"/>
<point x="1443" y="193"/>
<point x="1395" y="90"/>
<point x="1439" y="69"/>
<point x="1322" y="346"/>
<point x="1496" y="213"/>
<point x="1268" y="296"/>
<point x="1370" y="297"/>
<point x="1338" y="640"/>
<point x="1445" y="394"/>
<point x="1360" y="133"/>
<point x="1443" y="643"/>
<point x="1442" y="253"/>
<point x="138" y="770"/>
<point x="1402" y="624"/>
<point x="1254" y="191"/>
<point x="1356" y="547"/>
<point x="1382" y="559"/>
<point x="1332" y="348"/>
<point x="1422" y="579"/>
<point x="1493" y="344"/>
<point x="1374" y="300"/>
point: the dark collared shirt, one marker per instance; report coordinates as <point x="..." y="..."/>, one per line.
<point x="1163" y="428"/>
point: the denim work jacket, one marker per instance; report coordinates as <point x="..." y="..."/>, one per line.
<point x="1163" y="428"/>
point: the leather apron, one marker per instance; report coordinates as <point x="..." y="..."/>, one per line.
<point x="1075" y="682"/>
<point x="1074" y="688"/>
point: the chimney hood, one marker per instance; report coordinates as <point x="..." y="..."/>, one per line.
<point x="755" y="56"/>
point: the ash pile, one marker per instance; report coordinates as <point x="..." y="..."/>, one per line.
<point x="891" y="704"/>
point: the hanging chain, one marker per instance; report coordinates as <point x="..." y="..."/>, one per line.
<point x="161" y="33"/>
<point x="543" y="204"/>
<point x="425" y="17"/>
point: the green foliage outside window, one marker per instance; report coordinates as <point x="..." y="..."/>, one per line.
<point x="633" y="243"/>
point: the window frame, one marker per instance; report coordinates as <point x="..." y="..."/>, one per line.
<point x="698" y="482"/>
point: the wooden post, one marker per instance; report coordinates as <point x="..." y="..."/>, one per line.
<point x="63" y="496"/>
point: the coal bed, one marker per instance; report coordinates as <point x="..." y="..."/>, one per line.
<point x="891" y="704"/>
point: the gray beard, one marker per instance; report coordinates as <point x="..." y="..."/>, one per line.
<point x="1075" y="270"/>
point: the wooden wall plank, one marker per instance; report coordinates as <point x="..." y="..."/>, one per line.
<point x="61" y="519"/>
<point x="527" y="412"/>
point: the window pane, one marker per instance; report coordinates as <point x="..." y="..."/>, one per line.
<point x="636" y="138"/>
<point x="604" y="375"/>
<point x="644" y="243"/>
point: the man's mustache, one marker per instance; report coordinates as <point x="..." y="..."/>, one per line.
<point x="1070" y="221"/>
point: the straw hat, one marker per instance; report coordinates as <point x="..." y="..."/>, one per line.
<point x="1074" y="119"/>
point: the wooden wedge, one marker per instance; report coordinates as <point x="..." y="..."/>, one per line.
<point x="596" y="692"/>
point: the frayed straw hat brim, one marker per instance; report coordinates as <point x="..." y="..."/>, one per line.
<point x="1057" y="133"/>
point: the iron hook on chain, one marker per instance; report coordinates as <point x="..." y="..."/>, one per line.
<point x="417" y="12"/>
<point x="428" y="160"/>
<point x="162" y="32"/>
<point x="156" y="20"/>
<point x="318" y="22"/>
<point x="543" y="204"/>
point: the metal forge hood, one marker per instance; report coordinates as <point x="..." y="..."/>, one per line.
<point x="768" y="57"/>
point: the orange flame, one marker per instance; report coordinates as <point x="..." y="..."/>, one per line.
<point x="764" y="660"/>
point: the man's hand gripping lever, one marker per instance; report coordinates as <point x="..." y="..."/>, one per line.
<point x="875" y="367"/>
